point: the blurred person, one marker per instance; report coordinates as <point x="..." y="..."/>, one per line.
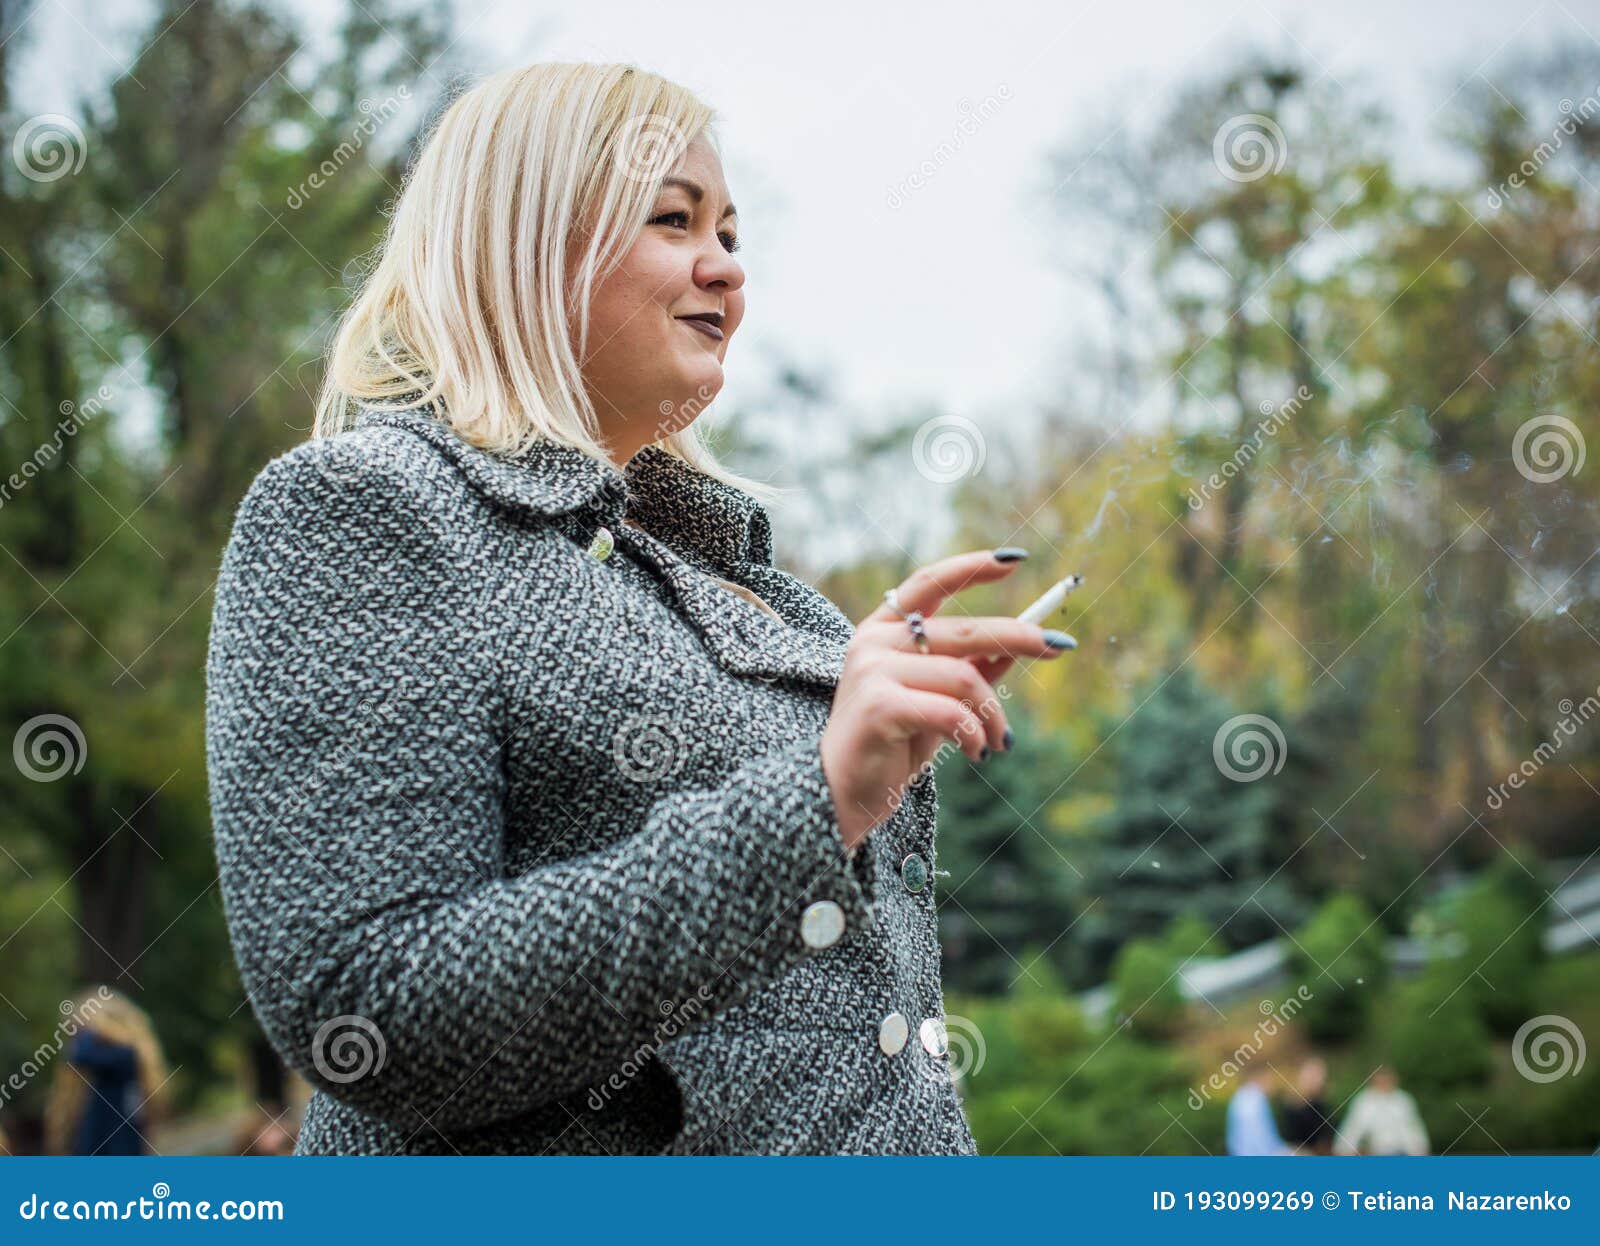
<point x="609" y="816"/>
<point x="264" y="1134"/>
<point x="1383" y="1120"/>
<point x="107" y="1082"/>
<point x="1251" y="1128"/>
<point x="1306" y="1126"/>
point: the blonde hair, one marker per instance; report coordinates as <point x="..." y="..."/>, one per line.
<point x="116" y="1019"/>
<point x="529" y="191"/>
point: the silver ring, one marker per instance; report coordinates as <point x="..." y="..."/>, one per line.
<point x="892" y="596"/>
<point x="918" y="631"/>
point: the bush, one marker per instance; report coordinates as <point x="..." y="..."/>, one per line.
<point x="1341" y="956"/>
<point x="1146" y="989"/>
<point x="1436" y="1039"/>
<point x="1189" y="936"/>
<point x="1500" y="918"/>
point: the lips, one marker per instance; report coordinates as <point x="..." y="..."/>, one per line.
<point x="708" y="323"/>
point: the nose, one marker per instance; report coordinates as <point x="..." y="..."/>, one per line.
<point x="716" y="268"/>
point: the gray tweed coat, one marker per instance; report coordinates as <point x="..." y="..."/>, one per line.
<point x="528" y="850"/>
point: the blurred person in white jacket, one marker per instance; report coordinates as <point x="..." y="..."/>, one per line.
<point x="1383" y="1120"/>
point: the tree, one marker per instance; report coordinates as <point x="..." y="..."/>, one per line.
<point x="1007" y="910"/>
<point x="1341" y="957"/>
<point x="1183" y="837"/>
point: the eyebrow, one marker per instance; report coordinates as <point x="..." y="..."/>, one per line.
<point x="696" y="193"/>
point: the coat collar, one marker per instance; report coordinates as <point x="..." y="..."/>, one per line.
<point x="688" y="517"/>
<point x="713" y="522"/>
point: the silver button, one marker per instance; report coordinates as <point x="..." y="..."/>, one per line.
<point x="893" y="1032"/>
<point x="914" y="872"/>
<point x="602" y="544"/>
<point x="935" y="1038"/>
<point x="821" y="924"/>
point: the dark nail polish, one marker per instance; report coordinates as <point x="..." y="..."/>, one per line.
<point x="1007" y="740"/>
<point x="1009" y="553"/>
<point x="1059" y="640"/>
<point x="983" y="753"/>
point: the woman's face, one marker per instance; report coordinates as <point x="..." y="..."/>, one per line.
<point x="651" y="370"/>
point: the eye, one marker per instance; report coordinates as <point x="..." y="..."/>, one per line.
<point x="680" y="220"/>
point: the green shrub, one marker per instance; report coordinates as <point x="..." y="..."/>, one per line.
<point x="1435" y="1037"/>
<point x="1190" y="935"/>
<point x="1146" y="989"/>
<point x="1340" y="955"/>
<point x="1501" y="919"/>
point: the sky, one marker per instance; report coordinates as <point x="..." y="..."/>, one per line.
<point x="944" y="291"/>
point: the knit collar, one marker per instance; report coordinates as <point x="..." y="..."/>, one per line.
<point x="675" y="501"/>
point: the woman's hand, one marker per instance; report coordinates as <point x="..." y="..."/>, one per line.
<point x="894" y="705"/>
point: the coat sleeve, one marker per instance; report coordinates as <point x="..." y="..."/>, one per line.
<point x="357" y="799"/>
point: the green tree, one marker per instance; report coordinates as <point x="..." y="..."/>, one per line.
<point x="1341" y="957"/>
<point x="1183" y="838"/>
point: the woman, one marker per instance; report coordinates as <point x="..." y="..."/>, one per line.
<point x="106" y="1088"/>
<point x="1306" y="1125"/>
<point x="550" y="815"/>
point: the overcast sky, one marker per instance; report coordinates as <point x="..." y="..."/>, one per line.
<point x="947" y="294"/>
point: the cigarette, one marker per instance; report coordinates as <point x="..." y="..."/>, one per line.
<point x="1053" y="597"/>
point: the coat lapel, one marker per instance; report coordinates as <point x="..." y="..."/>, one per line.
<point x="695" y="524"/>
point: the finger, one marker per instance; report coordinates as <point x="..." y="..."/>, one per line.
<point x="954" y="677"/>
<point x="977" y="635"/>
<point x="913" y="711"/>
<point x="927" y="588"/>
<point x="992" y="669"/>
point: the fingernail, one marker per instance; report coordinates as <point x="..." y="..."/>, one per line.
<point x="983" y="753"/>
<point x="1010" y="553"/>
<point x="1007" y="740"/>
<point x="1059" y="640"/>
